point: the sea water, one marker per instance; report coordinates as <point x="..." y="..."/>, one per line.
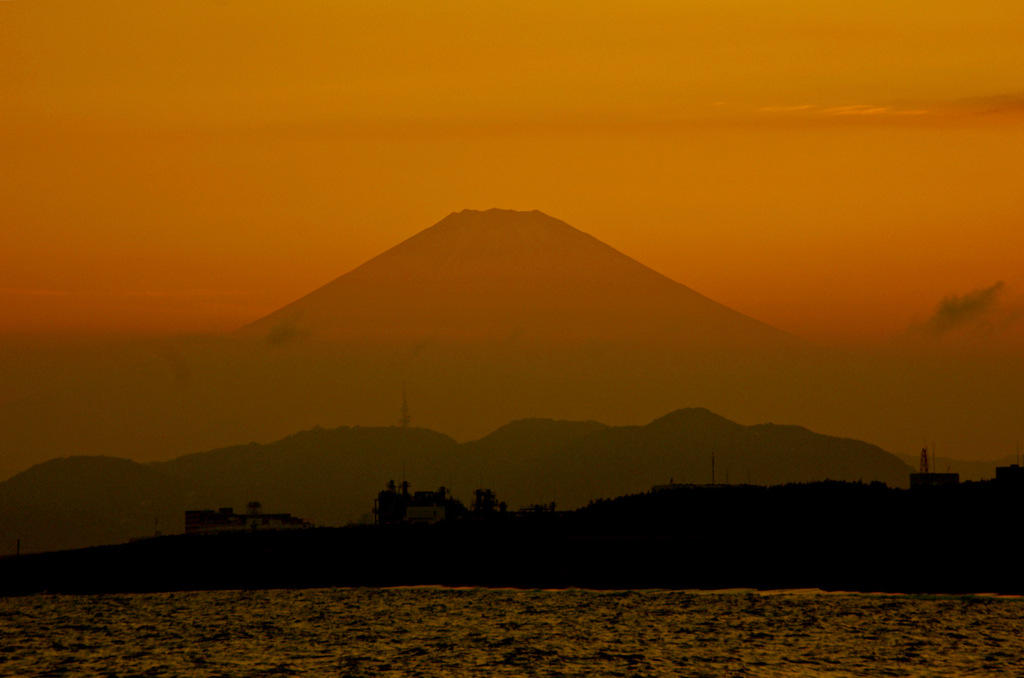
<point x="486" y="632"/>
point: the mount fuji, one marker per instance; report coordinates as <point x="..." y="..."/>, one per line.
<point x="486" y="316"/>
<point x="504" y="274"/>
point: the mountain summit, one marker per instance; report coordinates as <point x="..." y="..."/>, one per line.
<point x="504" y="274"/>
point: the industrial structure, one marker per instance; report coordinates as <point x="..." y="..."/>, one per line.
<point x="485" y="503"/>
<point x="925" y="478"/>
<point x="396" y="505"/>
<point x="226" y="520"/>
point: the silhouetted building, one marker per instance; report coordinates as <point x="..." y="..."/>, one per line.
<point x="485" y="503"/>
<point x="226" y="520"/>
<point x="921" y="480"/>
<point x="395" y="505"/>
<point x="389" y="507"/>
<point x="537" y="509"/>
<point x="1010" y="475"/>
<point x="427" y="507"/>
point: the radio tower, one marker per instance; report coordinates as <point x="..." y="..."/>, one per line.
<point x="924" y="460"/>
<point x="404" y="421"/>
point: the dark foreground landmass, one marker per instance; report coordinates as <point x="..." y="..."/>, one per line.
<point x="832" y="536"/>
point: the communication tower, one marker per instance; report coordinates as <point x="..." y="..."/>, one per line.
<point x="924" y="460"/>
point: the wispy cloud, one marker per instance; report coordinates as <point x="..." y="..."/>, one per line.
<point x="984" y="308"/>
<point x="787" y="109"/>
<point x="23" y="292"/>
<point x="1001" y="103"/>
<point x="859" y="109"/>
<point x="144" y="293"/>
<point x="847" y="110"/>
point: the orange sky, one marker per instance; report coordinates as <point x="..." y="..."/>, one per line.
<point x="833" y="169"/>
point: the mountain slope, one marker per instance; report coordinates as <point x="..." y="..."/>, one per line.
<point x="73" y="502"/>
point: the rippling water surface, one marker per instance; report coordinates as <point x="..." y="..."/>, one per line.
<point x="480" y="632"/>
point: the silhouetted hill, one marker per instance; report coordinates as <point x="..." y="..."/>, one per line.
<point x="508" y="460"/>
<point x="678" y="447"/>
<point x="527" y="441"/>
<point x="332" y="476"/>
<point x="327" y="476"/>
<point x="81" y="501"/>
<point x="535" y="436"/>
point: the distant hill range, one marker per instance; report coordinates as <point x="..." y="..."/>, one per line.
<point x="487" y="315"/>
<point x="331" y="476"/>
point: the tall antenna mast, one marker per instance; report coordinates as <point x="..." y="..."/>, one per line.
<point x="924" y="460"/>
<point x="404" y="421"/>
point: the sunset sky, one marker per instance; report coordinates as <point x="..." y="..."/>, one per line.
<point x="837" y="170"/>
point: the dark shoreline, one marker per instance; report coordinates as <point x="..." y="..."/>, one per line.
<point x="829" y="536"/>
<point x="349" y="557"/>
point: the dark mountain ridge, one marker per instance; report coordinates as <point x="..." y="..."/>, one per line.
<point x="331" y="476"/>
